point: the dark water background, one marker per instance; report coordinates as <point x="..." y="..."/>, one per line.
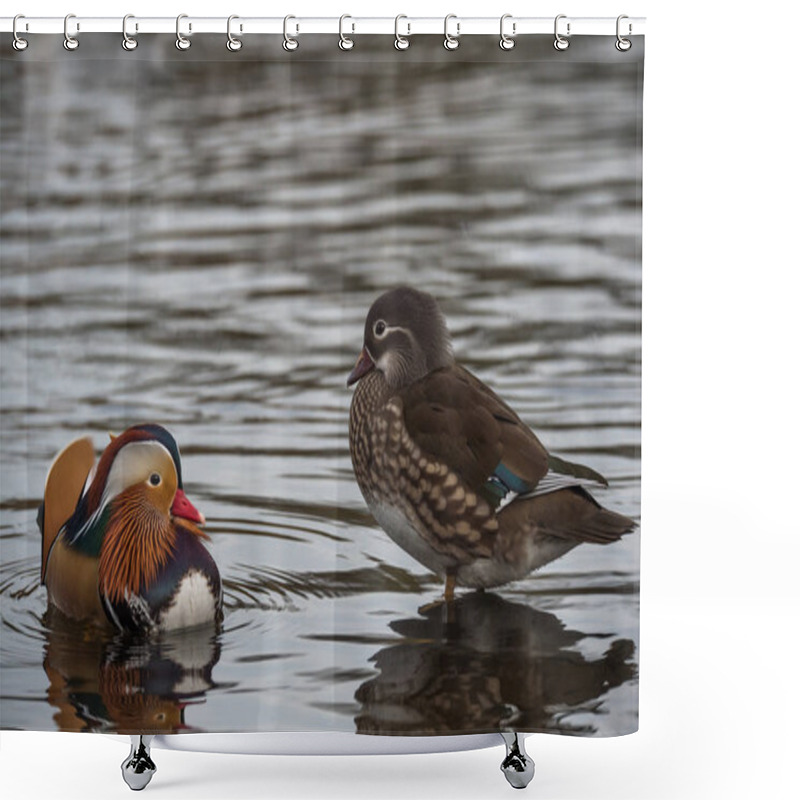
<point x="195" y="239"/>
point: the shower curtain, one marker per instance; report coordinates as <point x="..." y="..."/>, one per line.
<point x="194" y="240"/>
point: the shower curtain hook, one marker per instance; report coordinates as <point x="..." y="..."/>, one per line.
<point x="507" y="41"/>
<point x="289" y="42"/>
<point x="128" y="42"/>
<point x="451" y="41"/>
<point x="401" y="42"/>
<point x="181" y="42"/>
<point x="233" y="44"/>
<point x="19" y="43"/>
<point x="346" y="43"/>
<point x="561" y="43"/>
<point x="623" y="44"/>
<point x="70" y="42"/>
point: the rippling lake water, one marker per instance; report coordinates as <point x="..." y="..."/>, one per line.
<point x="195" y="239"/>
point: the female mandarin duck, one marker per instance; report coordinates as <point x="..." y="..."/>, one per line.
<point x="448" y="470"/>
<point x="120" y="542"/>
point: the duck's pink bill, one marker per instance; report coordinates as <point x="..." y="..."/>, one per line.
<point x="181" y="507"/>
<point x="362" y="367"/>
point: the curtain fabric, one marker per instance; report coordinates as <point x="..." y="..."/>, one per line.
<point x="195" y="239"/>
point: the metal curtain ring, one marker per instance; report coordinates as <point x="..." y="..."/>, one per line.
<point x="345" y="43"/>
<point x="181" y="42"/>
<point x="233" y="44"/>
<point x="401" y="42"/>
<point x="451" y="41"/>
<point x="561" y="43"/>
<point x="19" y="43"/>
<point x="623" y="44"/>
<point x="507" y="42"/>
<point x="289" y="42"/>
<point x="128" y="42"/>
<point x="70" y="42"/>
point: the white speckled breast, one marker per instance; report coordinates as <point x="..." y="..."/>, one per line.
<point x="402" y="532"/>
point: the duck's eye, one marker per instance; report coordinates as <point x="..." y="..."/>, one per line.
<point x="379" y="328"/>
<point x="154" y="479"/>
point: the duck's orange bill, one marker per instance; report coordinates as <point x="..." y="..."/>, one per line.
<point x="362" y="367"/>
<point x="181" y="507"/>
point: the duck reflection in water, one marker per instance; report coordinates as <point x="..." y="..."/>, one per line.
<point x="485" y="664"/>
<point x="126" y="683"/>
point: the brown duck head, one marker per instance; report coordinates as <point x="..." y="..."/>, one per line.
<point x="405" y="338"/>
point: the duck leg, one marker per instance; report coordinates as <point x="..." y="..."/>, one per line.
<point x="447" y="598"/>
<point x="138" y="768"/>
<point x="517" y="766"/>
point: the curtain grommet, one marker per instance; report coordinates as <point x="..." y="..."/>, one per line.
<point x="128" y="42"/>
<point x="451" y="41"/>
<point x="345" y="42"/>
<point x="233" y="44"/>
<point x="290" y="43"/>
<point x="507" y="40"/>
<point x="561" y="42"/>
<point x="622" y="44"/>
<point x="181" y="42"/>
<point x="18" y="43"/>
<point x="401" y="42"/>
<point x="70" y="42"/>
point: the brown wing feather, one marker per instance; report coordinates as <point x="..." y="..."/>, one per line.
<point x="457" y="419"/>
<point x="72" y="583"/>
<point x="569" y="514"/>
<point x="63" y="488"/>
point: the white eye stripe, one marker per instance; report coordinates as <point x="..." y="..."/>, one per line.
<point x="387" y="330"/>
<point x="133" y="463"/>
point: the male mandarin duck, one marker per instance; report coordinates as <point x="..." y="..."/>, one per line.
<point x="120" y="541"/>
<point x="448" y="470"/>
